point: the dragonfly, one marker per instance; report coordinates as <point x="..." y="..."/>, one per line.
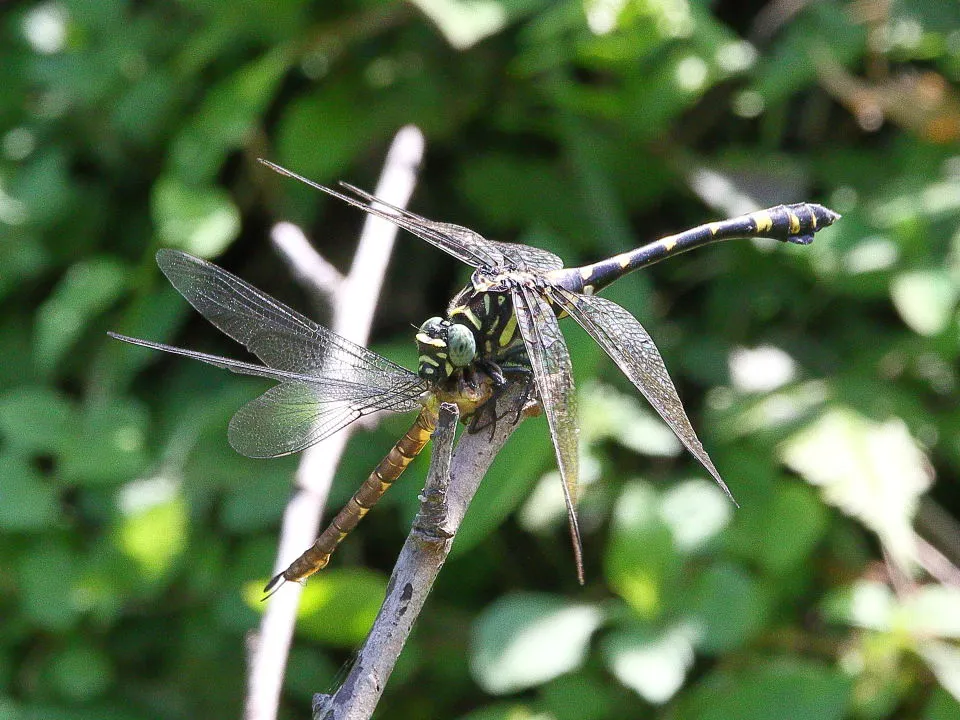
<point x="502" y="327"/>
<point x="325" y="382"/>
<point x="505" y="322"/>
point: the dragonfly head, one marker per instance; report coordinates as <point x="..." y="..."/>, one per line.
<point x="444" y="348"/>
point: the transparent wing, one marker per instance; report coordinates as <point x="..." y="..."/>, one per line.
<point x="303" y="409"/>
<point x="280" y="336"/>
<point x="465" y="245"/>
<point x="295" y="415"/>
<point x="494" y="254"/>
<point x="632" y="349"/>
<point x="553" y="375"/>
<point x="528" y="257"/>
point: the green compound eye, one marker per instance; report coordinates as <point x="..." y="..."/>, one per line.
<point x="462" y="345"/>
<point x="432" y="327"/>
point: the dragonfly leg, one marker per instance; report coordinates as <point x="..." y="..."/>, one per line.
<point x="503" y="377"/>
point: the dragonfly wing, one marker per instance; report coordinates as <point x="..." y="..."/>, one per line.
<point x="528" y="257"/>
<point x="295" y="415"/>
<point x="623" y="338"/>
<point x="278" y="335"/>
<point x="236" y="366"/>
<point x="463" y="243"/>
<point x="303" y="409"/>
<point x="490" y="253"/>
<point x="553" y="376"/>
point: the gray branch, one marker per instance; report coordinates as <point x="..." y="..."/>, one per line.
<point x="451" y="484"/>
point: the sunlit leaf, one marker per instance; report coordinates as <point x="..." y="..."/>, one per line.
<point x="874" y="472"/>
<point x="696" y="512"/>
<point x="654" y="666"/>
<point x="606" y="413"/>
<point x="933" y="611"/>
<point x="338" y="606"/>
<point x="925" y="300"/>
<point x="943" y="659"/>
<point x="202" y="219"/>
<point x="524" y="640"/>
<point x="153" y="526"/>
<point x="466" y="22"/>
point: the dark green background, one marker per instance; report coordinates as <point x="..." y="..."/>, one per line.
<point x="133" y="540"/>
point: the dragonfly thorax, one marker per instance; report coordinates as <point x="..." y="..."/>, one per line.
<point x="444" y="347"/>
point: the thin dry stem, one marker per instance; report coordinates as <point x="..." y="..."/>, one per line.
<point x="353" y="315"/>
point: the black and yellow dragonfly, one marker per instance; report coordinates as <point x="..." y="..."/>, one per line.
<point x="505" y="321"/>
<point x="502" y="327"/>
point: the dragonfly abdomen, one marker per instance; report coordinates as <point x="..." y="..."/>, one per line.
<point x="366" y="496"/>
<point x="795" y="223"/>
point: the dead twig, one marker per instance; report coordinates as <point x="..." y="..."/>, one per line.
<point x="354" y="305"/>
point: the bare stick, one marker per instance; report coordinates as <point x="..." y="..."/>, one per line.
<point x="451" y="484"/>
<point x="307" y="265"/>
<point x="353" y="315"/>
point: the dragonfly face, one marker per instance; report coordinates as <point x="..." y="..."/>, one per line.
<point x="444" y="348"/>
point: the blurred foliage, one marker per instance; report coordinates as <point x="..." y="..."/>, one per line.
<point x="823" y="380"/>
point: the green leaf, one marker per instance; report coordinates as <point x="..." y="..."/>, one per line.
<point x="775" y="690"/>
<point x="338" y="606"/>
<point x="201" y="219"/>
<point x="727" y="607"/>
<point x="27" y="502"/>
<point x="46" y="576"/>
<point x="506" y="484"/>
<point x="652" y="665"/>
<point x="81" y="672"/>
<point x="230" y="113"/>
<point x="107" y="445"/>
<point x="874" y="472"/>
<point x="85" y="290"/>
<point x="36" y="419"/>
<point x="925" y="300"/>
<point x="154" y="524"/>
<point x="779" y="533"/>
<point x="524" y="640"/>
<point x="942" y="706"/>
<point x="641" y="561"/>
<point x="21" y="259"/>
